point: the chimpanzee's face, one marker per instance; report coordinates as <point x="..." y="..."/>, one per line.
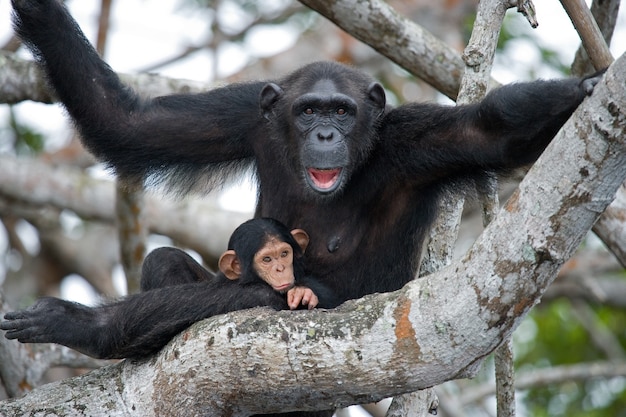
<point x="274" y="264"/>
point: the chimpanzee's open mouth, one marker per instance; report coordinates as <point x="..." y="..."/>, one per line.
<point x="324" y="180"/>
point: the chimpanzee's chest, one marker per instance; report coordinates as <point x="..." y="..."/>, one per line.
<point x="347" y="229"/>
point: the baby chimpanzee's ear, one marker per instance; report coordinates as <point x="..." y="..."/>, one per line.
<point x="229" y="265"/>
<point x="301" y="237"/>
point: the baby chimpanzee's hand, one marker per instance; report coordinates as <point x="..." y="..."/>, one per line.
<point x="301" y="296"/>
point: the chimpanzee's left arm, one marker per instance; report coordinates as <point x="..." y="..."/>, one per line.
<point x="510" y="127"/>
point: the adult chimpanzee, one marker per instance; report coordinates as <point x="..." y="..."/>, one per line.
<point x="262" y="267"/>
<point x="330" y="158"/>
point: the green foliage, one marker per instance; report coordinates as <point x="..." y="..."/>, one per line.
<point x="560" y="339"/>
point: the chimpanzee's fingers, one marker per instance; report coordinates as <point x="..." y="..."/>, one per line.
<point x="294" y="297"/>
<point x="13" y="334"/>
<point x="15" y="315"/>
<point x="589" y="83"/>
<point x="7" y="325"/>
<point x="16" y="329"/>
<point x="313" y="301"/>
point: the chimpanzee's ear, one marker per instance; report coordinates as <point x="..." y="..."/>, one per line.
<point x="301" y="237"/>
<point x="229" y="265"/>
<point x="269" y="95"/>
<point x="376" y="93"/>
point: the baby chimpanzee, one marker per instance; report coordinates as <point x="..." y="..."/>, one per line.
<point x="262" y="267"/>
<point x="260" y="250"/>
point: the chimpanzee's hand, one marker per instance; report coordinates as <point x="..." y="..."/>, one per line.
<point x="301" y="296"/>
<point x="589" y="83"/>
<point x="48" y="320"/>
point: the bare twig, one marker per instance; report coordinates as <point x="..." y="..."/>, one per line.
<point x="605" y="14"/>
<point x="505" y="380"/>
<point x="589" y="32"/>
<point x="550" y="376"/>
<point x="527" y="9"/>
<point x="132" y="228"/>
<point x="611" y="226"/>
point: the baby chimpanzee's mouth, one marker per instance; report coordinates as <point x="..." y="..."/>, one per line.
<point x="283" y="288"/>
<point x="324" y="180"/>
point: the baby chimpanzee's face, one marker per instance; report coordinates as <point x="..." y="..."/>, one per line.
<point x="274" y="264"/>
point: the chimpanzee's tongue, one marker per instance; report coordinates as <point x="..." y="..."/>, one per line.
<point x="324" y="178"/>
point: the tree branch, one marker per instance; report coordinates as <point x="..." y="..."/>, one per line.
<point x="554" y="375"/>
<point x="132" y="231"/>
<point x="611" y="226"/>
<point x="41" y="184"/>
<point x="435" y="329"/>
<point x="409" y="45"/>
<point x="589" y="33"/>
<point x="605" y="14"/>
<point x="22" y="80"/>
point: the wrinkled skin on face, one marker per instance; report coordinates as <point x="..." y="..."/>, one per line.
<point x="274" y="264"/>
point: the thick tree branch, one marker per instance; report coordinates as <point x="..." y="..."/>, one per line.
<point x="22" y="80"/>
<point x="398" y="38"/>
<point x="435" y="329"/>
